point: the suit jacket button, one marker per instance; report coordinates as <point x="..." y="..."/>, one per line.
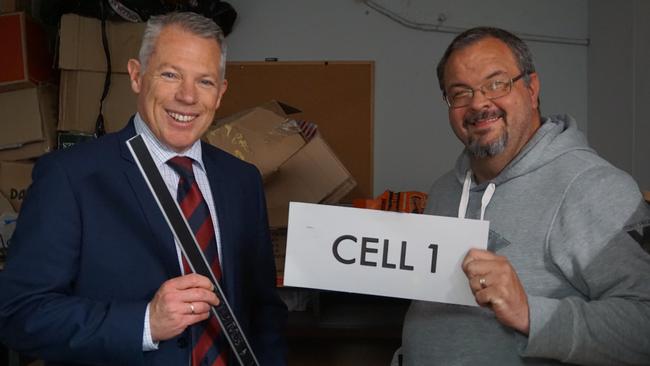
<point x="182" y="342"/>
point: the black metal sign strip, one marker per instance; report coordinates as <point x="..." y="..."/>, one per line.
<point x="190" y="248"/>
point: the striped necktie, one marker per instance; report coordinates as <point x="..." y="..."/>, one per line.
<point x="208" y="347"/>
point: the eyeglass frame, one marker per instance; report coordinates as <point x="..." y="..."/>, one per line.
<point x="512" y="81"/>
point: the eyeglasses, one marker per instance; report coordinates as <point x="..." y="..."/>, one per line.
<point x="493" y="89"/>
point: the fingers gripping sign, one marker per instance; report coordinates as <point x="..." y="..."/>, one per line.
<point x="179" y="303"/>
<point x="495" y="285"/>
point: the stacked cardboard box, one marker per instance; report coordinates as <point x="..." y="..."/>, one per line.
<point x="28" y="106"/>
<point x="27" y="102"/>
<point x="83" y="65"/>
<point x="293" y="168"/>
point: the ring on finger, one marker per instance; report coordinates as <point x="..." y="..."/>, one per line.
<point x="482" y="282"/>
<point x="192" y="308"/>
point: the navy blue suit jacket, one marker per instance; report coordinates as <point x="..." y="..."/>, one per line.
<point x="91" y="248"/>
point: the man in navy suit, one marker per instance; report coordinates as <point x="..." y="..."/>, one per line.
<point x="93" y="274"/>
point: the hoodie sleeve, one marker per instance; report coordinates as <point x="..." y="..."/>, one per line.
<point x="596" y="240"/>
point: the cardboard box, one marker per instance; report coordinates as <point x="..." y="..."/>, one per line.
<point x="8" y="218"/>
<point x="29" y="129"/>
<point x="313" y="175"/>
<point x="80" y="93"/>
<point x="81" y="48"/>
<point x="83" y="68"/>
<point x="25" y="60"/>
<point x="264" y="136"/>
<point x="279" y="241"/>
<point x="10" y="6"/>
<point x="7" y="6"/>
<point x="15" y="178"/>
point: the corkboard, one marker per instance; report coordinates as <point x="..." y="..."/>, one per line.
<point x="337" y="96"/>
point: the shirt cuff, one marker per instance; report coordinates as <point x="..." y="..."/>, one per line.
<point x="147" y="343"/>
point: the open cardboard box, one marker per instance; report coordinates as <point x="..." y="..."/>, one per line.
<point x="293" y="169"/>
<point x="264" y="135"/>
<point x="313" y="175"/>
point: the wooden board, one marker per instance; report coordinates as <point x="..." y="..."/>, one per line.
<point x="337" y="96"/>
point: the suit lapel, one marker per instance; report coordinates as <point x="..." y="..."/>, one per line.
<point x="161" y="235"/>
<point x="221" y="198"/>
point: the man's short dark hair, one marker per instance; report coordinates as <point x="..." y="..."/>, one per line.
<point x="467" y="38"/>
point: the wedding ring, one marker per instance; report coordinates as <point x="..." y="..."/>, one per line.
<point x="192" y="308"/>
<point x="481" y="281"/>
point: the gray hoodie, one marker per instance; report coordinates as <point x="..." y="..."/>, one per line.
<point x="572" y="226"/>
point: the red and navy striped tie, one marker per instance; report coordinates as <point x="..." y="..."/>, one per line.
<point x="208" y="347"/>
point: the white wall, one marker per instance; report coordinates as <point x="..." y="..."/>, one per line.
<point x="619" y="88"/>
<point x="413" y="143"/>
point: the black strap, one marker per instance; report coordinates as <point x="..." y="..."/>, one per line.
<point x="190" y="249"/>
<point x="100" y="128"/>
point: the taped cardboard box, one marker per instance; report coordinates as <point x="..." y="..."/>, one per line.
<point x="313" y="175"/>
<point x="15" y="178"/>
<point x="26" y="60"/>
<point x="30" y="130"/>
<point x="264" y="135"/>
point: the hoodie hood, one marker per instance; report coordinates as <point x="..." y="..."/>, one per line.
<point x="556" y="136"/>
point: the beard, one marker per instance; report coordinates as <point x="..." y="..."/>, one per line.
<point x="488" y="150"/>
<point x="479" y="150"/>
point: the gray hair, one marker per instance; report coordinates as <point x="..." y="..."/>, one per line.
<point x="191" y="22"/>
<point x="467" y="38"/>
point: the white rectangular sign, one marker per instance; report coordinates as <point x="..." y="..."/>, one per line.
<point x="381" y="253"/>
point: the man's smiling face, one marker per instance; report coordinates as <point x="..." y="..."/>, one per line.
<point x="180" y="88"/>
<point x="501" y="125"/>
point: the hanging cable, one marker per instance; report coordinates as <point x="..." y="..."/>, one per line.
<point x="439" y="27"/>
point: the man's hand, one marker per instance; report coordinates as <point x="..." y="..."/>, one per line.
<point x="178" y="303"/>
<point x="495" y="285"/>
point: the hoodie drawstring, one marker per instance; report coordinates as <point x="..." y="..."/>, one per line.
<point x="464" y="198"/>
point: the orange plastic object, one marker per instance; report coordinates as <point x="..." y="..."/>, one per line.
<point x="411" y="201"/>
